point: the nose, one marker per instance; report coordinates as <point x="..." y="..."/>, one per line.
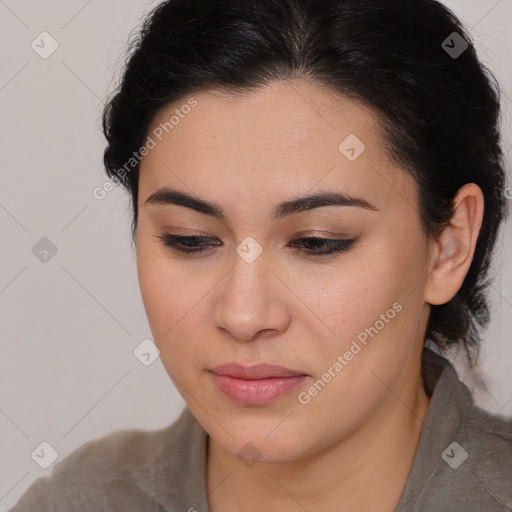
<point x="251" y="302"/>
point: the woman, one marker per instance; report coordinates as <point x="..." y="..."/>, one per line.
<point x="317" y="188"/>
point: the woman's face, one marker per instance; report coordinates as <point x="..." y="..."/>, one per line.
<point x="352" y="323"/>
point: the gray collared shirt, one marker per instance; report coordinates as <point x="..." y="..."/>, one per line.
<point x="463" y="462"/>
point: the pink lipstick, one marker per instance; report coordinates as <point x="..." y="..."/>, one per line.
<point x="255" y="385"/>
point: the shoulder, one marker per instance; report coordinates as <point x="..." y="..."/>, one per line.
<point x="476" y="472"/>
<point x="108" y="473"/>
<point x="464" y="456"/>
<point x="473" y="469"/>
<point x="490" y="443"/>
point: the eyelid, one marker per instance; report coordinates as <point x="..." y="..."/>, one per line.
<point x="335" y="246"/>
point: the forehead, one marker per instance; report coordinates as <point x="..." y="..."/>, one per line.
<point x="274" y="116"/>
<point x="284" y="138"/>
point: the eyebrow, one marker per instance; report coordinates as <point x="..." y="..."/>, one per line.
<point x="167" y="196"/>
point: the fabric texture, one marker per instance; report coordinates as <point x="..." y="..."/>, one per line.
<point x="165" y="470"/>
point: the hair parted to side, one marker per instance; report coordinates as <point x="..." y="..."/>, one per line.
<point x="440" y="114"/>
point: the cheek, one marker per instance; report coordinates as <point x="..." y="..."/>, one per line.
<point x="158" y="291"/>
<point x="348" y="298"/>
<point x="368" y="314"/>
<point x="174" y="307"/>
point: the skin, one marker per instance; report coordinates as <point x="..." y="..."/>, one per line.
<point x="352" y="446"/>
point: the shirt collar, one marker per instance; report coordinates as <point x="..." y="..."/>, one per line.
<point x="449" y="399"/>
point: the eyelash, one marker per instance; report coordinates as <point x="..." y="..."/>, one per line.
<point x="336" y="246"/>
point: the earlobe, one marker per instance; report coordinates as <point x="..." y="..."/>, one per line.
<point x="454" y="248"/>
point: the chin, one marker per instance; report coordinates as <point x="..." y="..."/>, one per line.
<point x="266" y="440"/>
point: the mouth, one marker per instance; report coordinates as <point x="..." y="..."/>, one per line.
<point x="255" y="385"/>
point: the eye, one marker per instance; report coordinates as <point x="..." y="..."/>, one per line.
<point x="185" y="244"/>
<point x="331" y="245"/>
<point x="311" y="246"/>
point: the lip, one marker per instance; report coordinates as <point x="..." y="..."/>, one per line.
<point x="259" y="384"/>
<point x="256" y="371"/>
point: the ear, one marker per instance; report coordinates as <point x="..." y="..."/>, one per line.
<point x="452" y="252"/>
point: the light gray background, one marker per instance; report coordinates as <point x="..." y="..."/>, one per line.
<point x="68" y="327"/>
